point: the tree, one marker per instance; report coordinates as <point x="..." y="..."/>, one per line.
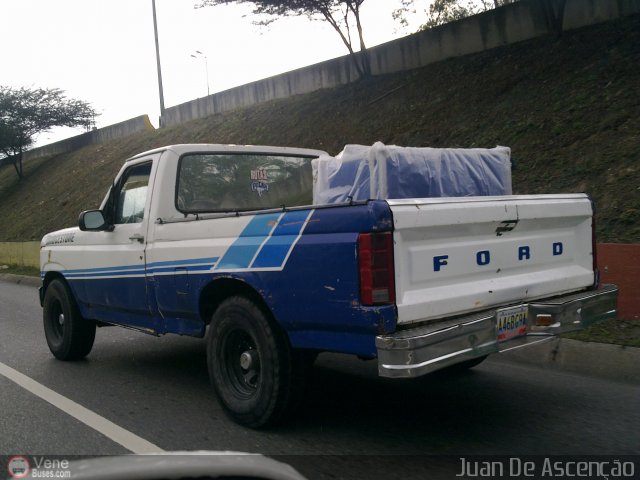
<point x="445" y="11"/>
<point x="340" y="14"/>
<point x="26" y="112"/>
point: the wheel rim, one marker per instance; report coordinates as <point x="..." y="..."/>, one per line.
<point x="56" y="320"/>
<point x="241" y="363"/>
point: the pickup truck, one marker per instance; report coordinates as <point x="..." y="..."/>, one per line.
<point x="225" y="241"/>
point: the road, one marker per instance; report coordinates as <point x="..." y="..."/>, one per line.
<point x="157" y="389"/>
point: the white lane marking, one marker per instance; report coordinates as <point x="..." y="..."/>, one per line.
<point x="100" y="424"/>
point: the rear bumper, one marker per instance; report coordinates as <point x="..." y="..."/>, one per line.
<point x="421" y="350"/>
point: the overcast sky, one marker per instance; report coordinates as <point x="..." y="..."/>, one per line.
<point x="103" y="52"/>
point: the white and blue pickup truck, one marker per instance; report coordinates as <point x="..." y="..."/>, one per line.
<point x="228" y="237"/>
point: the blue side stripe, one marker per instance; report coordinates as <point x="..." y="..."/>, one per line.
<point x="242" y="251"/>
<point x="265" y="242"/>
<point x="193" y="261"/>
<point x="103" y="274"/>
<point x="104" y="269"/>
<point x="194" y="264"/>
<point x="199" y="268"/>
<point x="276" y="249"/>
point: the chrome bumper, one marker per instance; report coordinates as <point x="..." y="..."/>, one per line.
<point x="421" y="350"/>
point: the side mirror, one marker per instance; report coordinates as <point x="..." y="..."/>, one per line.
<point x="93" y="221"/>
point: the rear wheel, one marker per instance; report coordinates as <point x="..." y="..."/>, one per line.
<point x="68" y="335"/>
<point x="251" y="364"/>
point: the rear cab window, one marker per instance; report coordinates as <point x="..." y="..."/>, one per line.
<point x="217" y="182"/>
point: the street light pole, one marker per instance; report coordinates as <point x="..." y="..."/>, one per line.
<point x="160" y="89"/>
<point x="206" y="66"/>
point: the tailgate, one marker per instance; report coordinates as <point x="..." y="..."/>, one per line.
<point x="459" y="255"/>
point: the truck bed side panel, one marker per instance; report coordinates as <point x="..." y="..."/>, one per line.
<point x="302" y="263"/>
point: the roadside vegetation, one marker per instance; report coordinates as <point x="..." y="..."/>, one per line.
<point x="20" y="270"/>
<point x="617" y="331"/>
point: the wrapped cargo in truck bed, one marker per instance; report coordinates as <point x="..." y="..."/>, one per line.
<point x="389" y="172"/>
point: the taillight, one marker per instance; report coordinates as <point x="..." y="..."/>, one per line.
<point x="375" y="260"/>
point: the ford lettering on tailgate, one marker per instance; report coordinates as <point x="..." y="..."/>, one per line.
<point x="483" y="257"/>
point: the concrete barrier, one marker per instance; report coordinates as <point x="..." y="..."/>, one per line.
<point x="331" y="73"/>
<point x="512" y="23"/>
<point x="509" y="24"/>
<point x="100" y="135"/>
<point x="25" y="254"/>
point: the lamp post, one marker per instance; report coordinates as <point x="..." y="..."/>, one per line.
<point x="160" y="89"/>
<point x="199" y="54"/>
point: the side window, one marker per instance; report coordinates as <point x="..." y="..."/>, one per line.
<point x="132" y="194"/>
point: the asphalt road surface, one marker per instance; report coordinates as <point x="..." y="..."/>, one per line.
<point x="157" y="389"/>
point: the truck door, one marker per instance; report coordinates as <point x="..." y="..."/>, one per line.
<point x="118" y="292"/>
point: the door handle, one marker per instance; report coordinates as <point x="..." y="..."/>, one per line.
<point x="137" y="237"/>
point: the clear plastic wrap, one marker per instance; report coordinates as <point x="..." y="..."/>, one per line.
<point x="379" y="171"/>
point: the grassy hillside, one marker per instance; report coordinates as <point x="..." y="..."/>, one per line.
<point x="568" y="108"/>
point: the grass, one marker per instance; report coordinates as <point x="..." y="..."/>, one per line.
<point x="616" y="331"/>
<point x="20" y="270"/>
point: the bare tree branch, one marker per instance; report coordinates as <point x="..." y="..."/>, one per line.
<point x="337" y="13"/>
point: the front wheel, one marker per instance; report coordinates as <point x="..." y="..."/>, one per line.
<point x="250" y="364"/>
<point x="68" y="335"/>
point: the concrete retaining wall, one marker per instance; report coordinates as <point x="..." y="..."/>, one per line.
<point x="509" y="24"/>
<point x="513" y="23"/>
<point x="26" y="254"/>
<point x="580" y="13"/>
<point x="100" y="135"/>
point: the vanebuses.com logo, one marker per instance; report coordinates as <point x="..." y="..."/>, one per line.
<point x="18" y="467"/>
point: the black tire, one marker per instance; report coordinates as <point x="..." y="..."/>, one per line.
<point x="251" y="365"/>
<point x="69" y="336"/>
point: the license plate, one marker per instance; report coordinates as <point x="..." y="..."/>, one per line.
<point x="511" y="322"/>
